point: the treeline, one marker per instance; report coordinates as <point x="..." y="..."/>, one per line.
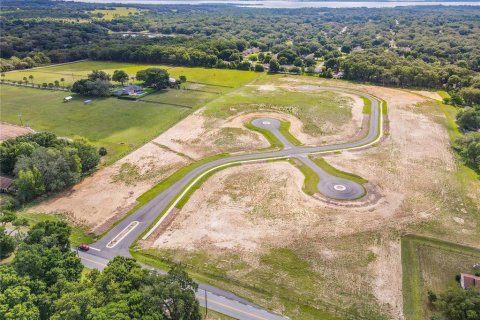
<point x="33" y="60"/>
<point x="43" y="163"/>
<point x="388" y="68"/>
<point x="46" y="281"/>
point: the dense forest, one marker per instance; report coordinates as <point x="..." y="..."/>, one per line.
<point x="408" y="46"/>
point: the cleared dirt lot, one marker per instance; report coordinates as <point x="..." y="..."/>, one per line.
<point x="243" y="213"/>
<point x="101" y="199"/>
<point x="201" y="134"/>
<point x="8" y="131"/>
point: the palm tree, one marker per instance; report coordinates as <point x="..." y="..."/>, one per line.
<point x="62" y="80"/>
<point x="31" y="79"/>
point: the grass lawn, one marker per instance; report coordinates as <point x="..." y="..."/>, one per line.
<point x="338" y="173"/>
<point x="430" y="264"/>
<point x="119" y="125"/>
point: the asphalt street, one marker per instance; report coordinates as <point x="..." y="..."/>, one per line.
<point x="119" y="239"/>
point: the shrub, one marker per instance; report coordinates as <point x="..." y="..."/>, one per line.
<point x="102" y="151"/>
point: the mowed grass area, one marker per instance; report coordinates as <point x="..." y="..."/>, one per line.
<point x="119" y="125"/>
<point x="431" y="264"/>
<point x="321" y="112"/>
<point x="76" y="71"/>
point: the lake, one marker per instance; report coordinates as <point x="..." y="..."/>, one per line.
<point x="298" y="4"/>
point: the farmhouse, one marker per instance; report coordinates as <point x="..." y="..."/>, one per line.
<point x="131" y="90"/>
<point x="469" y="281"/>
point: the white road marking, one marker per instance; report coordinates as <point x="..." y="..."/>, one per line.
<point x="96" y="249"/>
<point x="122" y="234"/>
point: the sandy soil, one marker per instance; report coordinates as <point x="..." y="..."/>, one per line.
<point x="8" y="131"/>
<point x="198" y="136"/>
<point x="100" y="199"/>
<point x="251" y="208"/>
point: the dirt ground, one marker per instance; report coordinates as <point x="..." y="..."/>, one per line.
<point x="252" y="208"/>
<point x="102" y="198"/>
<point x="199" y="136"/>
<point x="428" y="94"/>
<point x="8" y="131"/>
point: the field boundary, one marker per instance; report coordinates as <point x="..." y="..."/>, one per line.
<point x="411" y="270"/>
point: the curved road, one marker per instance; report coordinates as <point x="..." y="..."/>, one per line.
<point x="119" y="239"/>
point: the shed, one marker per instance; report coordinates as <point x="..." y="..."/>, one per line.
<point x="469" y="281"/>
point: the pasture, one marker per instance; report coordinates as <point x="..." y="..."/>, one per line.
<point x="119" y="125"/>
<point x="221" y="79"/>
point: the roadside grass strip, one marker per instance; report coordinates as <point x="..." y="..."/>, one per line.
<point x="412" y="281"/>
<point x="384" y="107"/>
<point x="310" y="184"/>
<point x="285" y="131"/>
<point x="367" y="105"/>
<point x="338" y="173"/>
<point x="274" y="142"/>
<point x="163" y="185"/>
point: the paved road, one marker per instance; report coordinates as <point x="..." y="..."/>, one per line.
<point x="119" y="239"/>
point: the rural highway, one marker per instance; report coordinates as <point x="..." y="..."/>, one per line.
<point x="119" y="239"/>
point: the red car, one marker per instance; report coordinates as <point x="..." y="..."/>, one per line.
<point x="84" y="247"/>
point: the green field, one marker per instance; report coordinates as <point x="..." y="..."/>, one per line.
<point x="119" y="125"/>
<point x="116" y="12"/>
<point x="76" y="71"/>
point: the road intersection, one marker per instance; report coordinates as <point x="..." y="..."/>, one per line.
<point x="121" y="237"/>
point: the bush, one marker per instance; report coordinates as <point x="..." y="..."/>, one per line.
<point x="102" y="151"/>
<point x="259" y="68"/>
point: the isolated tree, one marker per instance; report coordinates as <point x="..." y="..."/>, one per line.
<point x="62" y="80"/>
<point x="120" y="76"/>
<point x="31" y="78"/>
<point x="92" y="88"/>
<point x="183" y="79"/>
<point x="99" y="75"/>
<point x="25" y="79"/>
<point x="57" y="84"/>
<point x="154" y="77"/>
